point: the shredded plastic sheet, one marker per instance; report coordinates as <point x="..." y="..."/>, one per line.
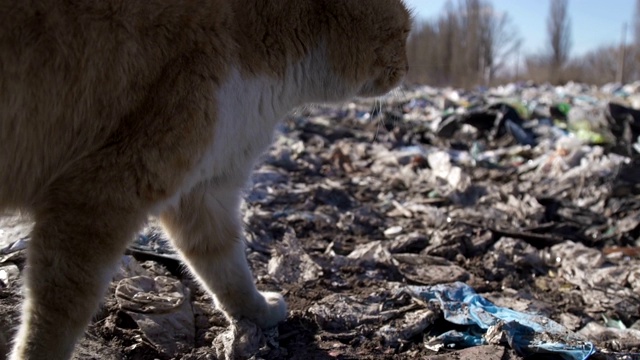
<point x="488" y="323"/>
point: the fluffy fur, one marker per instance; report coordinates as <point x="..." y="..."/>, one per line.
<point x="114" y="110"/>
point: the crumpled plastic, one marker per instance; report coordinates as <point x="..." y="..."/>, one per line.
<point x="160" y="307"/>
<point x="241" y="340"/>
<point x="490" y="324"/>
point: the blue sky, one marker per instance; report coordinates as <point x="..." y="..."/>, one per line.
<point x="593" y="22"/>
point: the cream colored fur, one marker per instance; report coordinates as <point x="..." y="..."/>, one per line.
<point x="114" y="110"/>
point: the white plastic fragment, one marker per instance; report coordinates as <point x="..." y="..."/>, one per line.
<point x="392" y="231"/>
<point x="372" y="251"/>
<point x="8" y="274"/>
<point x="290" y="263"/>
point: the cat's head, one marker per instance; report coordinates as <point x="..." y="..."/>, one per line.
<point x="367" y="43"/>
<point x="338" y="48"/>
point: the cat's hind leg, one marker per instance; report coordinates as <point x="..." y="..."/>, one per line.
<point x="206" y="229"/>
<point x="70" y="260"/>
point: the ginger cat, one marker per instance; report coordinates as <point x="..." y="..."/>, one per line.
<point x="112" y="110"/>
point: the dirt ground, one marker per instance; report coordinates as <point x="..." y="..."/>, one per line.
<point x="355" y="204"/>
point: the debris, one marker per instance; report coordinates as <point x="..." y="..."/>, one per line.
<point x="290" y="264"/>
<point x="8" y="274"/>
<point x="486" y="352"/>
<point x="409" y="326"/>
<point x="338" y="312"/>
<point x="428" y="270"/>
<point x="615" y="339"/>
<point x="490" y="324"/>
<point x="242" y="340"/>
<point x="530" y="194"/>
<point x="161" y="309"/>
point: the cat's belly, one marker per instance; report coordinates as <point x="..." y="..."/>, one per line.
<point x="247" y="113"/>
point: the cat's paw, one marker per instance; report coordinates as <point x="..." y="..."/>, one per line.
<point x="275" y="310"/>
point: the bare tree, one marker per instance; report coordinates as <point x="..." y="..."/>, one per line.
<point x="422" y="52"/>
<point x="471" y="44"/>
<point x="449" y="40"/>
<point x="467" y="45"/>
<point x="602" y="65"/>
<point x="636" y="37"/>
<point x="500" y="43"/>
<point x="559" y="32"/>
<point x="469" y="14"/>
<point x="637" y="24"/>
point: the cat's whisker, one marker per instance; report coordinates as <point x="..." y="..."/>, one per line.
<point x="402" y="92"/>
<point x="378" y="109"/>
<point x="398" y="93"/>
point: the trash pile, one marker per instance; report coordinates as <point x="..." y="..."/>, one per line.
<point x="499" y="223"/>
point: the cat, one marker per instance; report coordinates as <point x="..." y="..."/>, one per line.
<point x="112" y="111"/>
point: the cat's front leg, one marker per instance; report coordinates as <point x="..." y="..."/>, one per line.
<point x="206" y="229"/>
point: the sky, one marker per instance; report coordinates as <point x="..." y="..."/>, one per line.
<point x="593" y="22"/>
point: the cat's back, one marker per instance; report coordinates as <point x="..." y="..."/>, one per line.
<point x="71" y="71"/>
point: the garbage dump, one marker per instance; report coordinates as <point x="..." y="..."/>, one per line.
<point x="501" y="223"/>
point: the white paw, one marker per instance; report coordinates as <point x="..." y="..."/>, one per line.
<point x="275" y="310"/>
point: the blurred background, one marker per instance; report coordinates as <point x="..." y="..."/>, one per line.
<point x="471" y="43"/>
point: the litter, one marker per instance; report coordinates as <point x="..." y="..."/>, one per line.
<point x="490" y="324"/>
